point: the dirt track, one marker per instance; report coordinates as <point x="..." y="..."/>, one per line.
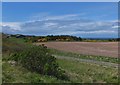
<point x="89" y="48"/>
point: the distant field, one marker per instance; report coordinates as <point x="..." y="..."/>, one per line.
<point x="89" y="48"/>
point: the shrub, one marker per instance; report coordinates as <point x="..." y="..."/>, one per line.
<point x="39" y="60"/>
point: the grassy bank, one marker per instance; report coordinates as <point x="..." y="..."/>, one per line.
<point x="18" y="74"/>
<point x="25" y="63"/>
<point x="78" y="73"/>
<point x="89" y="73"/>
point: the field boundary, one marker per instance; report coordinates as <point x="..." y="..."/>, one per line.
<point x="88" y="61"/>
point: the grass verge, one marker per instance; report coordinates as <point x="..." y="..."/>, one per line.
<point x="91" y="57"/>
<point x="88" y="73"/>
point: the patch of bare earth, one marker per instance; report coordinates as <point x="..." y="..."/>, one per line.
<point x="89" y="48"/>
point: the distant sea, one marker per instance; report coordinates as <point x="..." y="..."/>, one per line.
<point x="99" y="38"/>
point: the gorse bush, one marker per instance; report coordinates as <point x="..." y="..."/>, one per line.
<point x="34" y="58"/>
<point x="39" y="60"/>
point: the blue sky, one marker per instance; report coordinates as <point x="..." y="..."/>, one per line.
<point x="85" y="19"/>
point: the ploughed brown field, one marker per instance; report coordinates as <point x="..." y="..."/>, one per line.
<point x="109" y="49"/>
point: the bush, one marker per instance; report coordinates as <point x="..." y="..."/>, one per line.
<point x="39" y="60"/>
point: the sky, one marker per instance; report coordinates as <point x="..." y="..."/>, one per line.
<point x="83" y="19"/>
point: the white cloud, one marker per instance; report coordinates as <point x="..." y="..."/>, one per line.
<point x="116" y="24"/>
<point x="50" y="24"/>
<point x="116" y="27"/>
<point x="13" y="25"/>
<point x="88" y="32"/>
<point x="62" y="25"/>
<point x="47" y="16"/>
<point x="70" y="16"/>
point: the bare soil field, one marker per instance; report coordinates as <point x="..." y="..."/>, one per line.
<point x="109" y="49"/>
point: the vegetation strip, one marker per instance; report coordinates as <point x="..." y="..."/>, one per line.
<point x="82" y="72"/>
<point x="80" y="56"/>
<point x="88" y="61"/>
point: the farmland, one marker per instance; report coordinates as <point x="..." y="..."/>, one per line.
<point x="109" y="49"/>
<point x="74" y="66"/>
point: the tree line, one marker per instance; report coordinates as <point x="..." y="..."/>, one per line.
<point x="32" y="38"/>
